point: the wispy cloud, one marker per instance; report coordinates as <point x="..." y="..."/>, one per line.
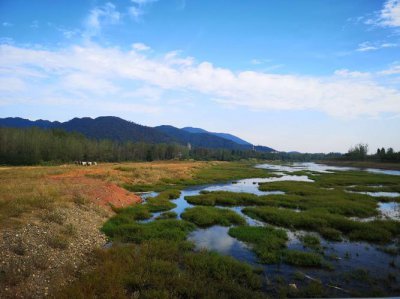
<point x="257" y="61"/>
<point x="394" y="69"/>
<point x="345" y="73"/>
<point x="100" y="16"/>
<point x="69" y="33"/>
<point x="373" y="46"/>
<point x="140" y="47"/>
<point x="7" y="24"/>
<point x="137" y="9"/>
<point x="97" y="73"/>
<point x="388" y="16"/>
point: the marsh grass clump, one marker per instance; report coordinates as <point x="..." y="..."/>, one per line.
<point x="360" y="275"/>
<point x="302" y="259"/>
<point x="330" y="234"/>
<point x="165" y="269"/>
<point x="378" y="231"/>
<point x="208" y="216"/>
<point x="311" y="241"/>
<point x="162" y="202"/>
<point x="225" y="198"/>
<point x="314" y="289"/>
<point x="355" y="178"/>
<point x="167" y="215"/>
<point x="267" y="242"/>
<point x="129" y="215"/>
<point x="375" y="188"/>
<point x="167" y="229"/>
<point x="310" y="196"/>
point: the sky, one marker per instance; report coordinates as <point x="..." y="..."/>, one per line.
<point x="309" y="76"/>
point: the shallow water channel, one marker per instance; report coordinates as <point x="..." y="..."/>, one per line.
<point x="345" y="256"/>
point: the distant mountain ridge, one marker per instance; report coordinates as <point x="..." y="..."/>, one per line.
<point x="104" y="127"/>
<point x="222" y="135"/>
<point x="117" y="129"/>
<point x="207" y="140"/>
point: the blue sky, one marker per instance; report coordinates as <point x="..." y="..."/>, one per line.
<point x="313" y="76"/>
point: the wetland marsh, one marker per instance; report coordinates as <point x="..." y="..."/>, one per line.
<point x="297" y="228"/>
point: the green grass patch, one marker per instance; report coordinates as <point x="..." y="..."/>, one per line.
<point x="165" y="269"/>
<point x="267" y="242"/>
<point x="162" y="202"/>
<point x="379" y="231"/>
<point x="167" y="229"/>
<point x="311" y="241"/>
<point x="208" y="216"/>
<point x="309" y="196"/>
<point x="225" y="198"/>
<point x="348" y="178"/>
<point x="302" y="259"/>
<point x="167" y="215"/>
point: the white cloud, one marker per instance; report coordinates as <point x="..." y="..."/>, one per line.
<point x="140" y="47"/>
<point x="11" y="84"/>
<point x="390" y="14"/>
<point x="138" y="8"/>
<point x="69" y="33"/>
<point x="91" y="84"/>
<point x="368" y="46"/>
<point x="393" y="70"/>
<point x="99" y="16"/>
<point x="7" y="24"/>
<point x="99" y="73"/>
<point x="135" y="12"/>
<point x="351" y="74"/>
<point x="173" y="58"/>
<point x="257" y="61"/>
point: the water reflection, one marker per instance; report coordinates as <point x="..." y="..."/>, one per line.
<point x="216" y="238"/>
<point x="377" y="194"/>
<point x="390" y="210"/>
<point x="322" y="168"/>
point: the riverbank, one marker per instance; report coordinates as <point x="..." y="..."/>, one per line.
<point x="363" y="164"/>
<point x="50" y="218"/>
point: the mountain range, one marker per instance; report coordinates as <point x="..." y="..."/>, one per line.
<point x="118" y="129"/>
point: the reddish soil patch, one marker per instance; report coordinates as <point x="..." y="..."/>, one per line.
<point x="98" y="191"/>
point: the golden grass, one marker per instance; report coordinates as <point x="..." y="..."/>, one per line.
<point x="27" y="190"/>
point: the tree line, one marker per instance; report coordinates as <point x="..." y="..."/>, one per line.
<point x="360" y="153"/>
<point x="32" y="146"/>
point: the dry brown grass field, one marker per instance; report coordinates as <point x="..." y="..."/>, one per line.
<point x="50" y="217"/>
